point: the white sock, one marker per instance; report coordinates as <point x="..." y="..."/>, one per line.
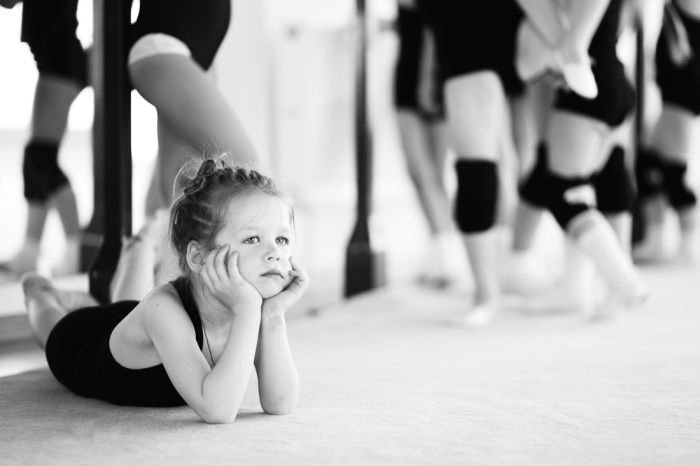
<point x="596" y="239"/>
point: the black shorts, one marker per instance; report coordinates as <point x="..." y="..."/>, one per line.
<point x="680" y="84"/>
<point x="201" y="25"/>
<point x="49" y="28"/>
<point x="407" y="74"/>
<point x="475" y="35"/>
<point x="615" y="99"/>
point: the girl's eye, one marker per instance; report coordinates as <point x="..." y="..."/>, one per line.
<point x="252" y="240"/>
<point x="283" y="240"/>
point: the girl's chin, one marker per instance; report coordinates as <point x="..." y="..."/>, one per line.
<point x="268" y="290"/>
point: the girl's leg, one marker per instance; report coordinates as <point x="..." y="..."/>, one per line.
<point x="475" y="108"/>
<point x="53" y="97"/>
<point x="43" y="306"/>
<point x="67" y="208"/>
<point x="419" y="144"/>
<point x="614" y="184"/>
<point x="154" y="198"/>
<point x="529" y="114"/>
<point x="135" y="274"/>
<point x="576" y="144"/>
<point x="426" y="175"/>
<point x="673" y="140"/>
<point x="188" y="102"/>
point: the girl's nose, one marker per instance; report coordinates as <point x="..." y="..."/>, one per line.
<point x="273" y="254"/>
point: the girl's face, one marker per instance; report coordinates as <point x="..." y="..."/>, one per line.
<point x="258" y="228"/>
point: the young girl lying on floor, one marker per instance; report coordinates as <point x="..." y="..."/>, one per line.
<point x="194" y="340"/>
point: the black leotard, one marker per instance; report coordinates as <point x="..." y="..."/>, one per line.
<point x="475" y="35"/>
<point x="615" y="98"/>
<point x="49" y="28"/>
<point x="202" y="25"/>
<point x="407" y="76"/>
<point x="679" y="82"/>
<point x="78" y="354"/>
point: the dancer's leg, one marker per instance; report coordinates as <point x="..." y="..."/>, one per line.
<point x="475" y="107"/>
<point x="576" y="144"/>
<point x="673" y="140"/>
<point x="188" y="102"/>
<point x="53" y="97"/>
<point x="43" y="307"/>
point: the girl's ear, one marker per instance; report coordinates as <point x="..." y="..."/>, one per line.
<point x="196" y="255"/>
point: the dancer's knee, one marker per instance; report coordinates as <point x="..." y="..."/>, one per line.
<point x="613" y="185"/>
<point x="649" y="174"/>
<point x="569" y="197"/>
<point x="477" y="192"/>
<point x="680" y="195"/>
<point x="42" y="175"/>
<point x="533" y="186"/>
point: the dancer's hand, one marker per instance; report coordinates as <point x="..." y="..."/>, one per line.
<point x="277" y="305"/>
<point x="221" y="276"/>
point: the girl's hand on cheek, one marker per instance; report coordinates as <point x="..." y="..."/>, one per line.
<point x="221" y="275"/>
<point x="282" y="301"/>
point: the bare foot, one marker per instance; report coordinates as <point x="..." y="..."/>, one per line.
<point x="43" y="307"/>
<point x="36" y="286"/>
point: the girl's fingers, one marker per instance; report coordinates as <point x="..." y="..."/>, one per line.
<point x="206" y="278"/>
<point x="233" y="271"/>
<point x="220" y="261"/>
<point x="300" y="271"/>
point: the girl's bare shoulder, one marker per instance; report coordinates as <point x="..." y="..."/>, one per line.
<point x="163" y="305"/>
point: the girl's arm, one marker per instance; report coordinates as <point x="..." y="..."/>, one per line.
<point x="215" y="393"/>
<point x="570" y="27"/>
<point x="278" y="381"/>
<point x="544" y="17"/>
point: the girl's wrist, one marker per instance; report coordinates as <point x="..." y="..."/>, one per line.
<point x="248" y="312"/>
<point x="272" y="318"/>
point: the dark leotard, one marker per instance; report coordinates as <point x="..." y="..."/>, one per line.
<point x="679" y="82"/>
<point x="615" y="98"/>
<point x="475" y="35"/>
<point x="78" y="354"/>
<point x="49" y="28"/>
<point x="407" y="77"/>
<point x="202" y="25"/>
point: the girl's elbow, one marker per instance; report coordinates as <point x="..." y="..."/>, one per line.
<point x="219" y="418"/>
<point x="218" y="415"/>
<point x="280" y="406"/>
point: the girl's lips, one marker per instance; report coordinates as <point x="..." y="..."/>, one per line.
<point x="273" y="274"/>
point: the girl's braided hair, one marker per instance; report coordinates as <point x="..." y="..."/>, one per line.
<point x="198" y="214"/>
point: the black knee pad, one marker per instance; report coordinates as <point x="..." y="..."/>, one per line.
<point x="532" y="188"/>
<point x="649" y="174"/>
<point x="680" y="196"/>
<point x="613" y="185"/>
<point x="42" y="175"/>
<point x="569" y="197"/>
<point x="477" y="193"/>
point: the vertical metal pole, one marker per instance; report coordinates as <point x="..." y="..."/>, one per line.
<point x="639" y="81"/>
<point x="111" y="140"/>
<point x="364" y="267"/>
